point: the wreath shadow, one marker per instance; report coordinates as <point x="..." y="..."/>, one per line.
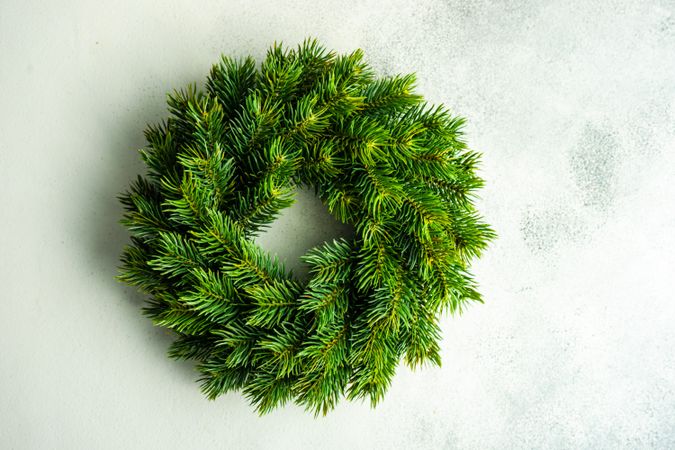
<point x="124" y="136"/>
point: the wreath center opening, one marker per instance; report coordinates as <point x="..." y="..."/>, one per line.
<point x="302" y="226"/>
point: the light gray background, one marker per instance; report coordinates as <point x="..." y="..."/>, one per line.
<point x="572" y="104"/>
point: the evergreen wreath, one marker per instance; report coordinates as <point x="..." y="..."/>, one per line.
<point x="227" y="161"/>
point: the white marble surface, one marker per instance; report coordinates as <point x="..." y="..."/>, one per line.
<point x="572" y="104"/>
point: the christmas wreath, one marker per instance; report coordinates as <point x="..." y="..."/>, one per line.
<point x="227" y="161"/>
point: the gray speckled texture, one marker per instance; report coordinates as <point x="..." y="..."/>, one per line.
<point x="572" y="104"/>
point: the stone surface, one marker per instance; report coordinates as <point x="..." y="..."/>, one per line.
<point x="572" y="104"/>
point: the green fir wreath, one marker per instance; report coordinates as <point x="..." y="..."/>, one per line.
<point x="228" y="160"/>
